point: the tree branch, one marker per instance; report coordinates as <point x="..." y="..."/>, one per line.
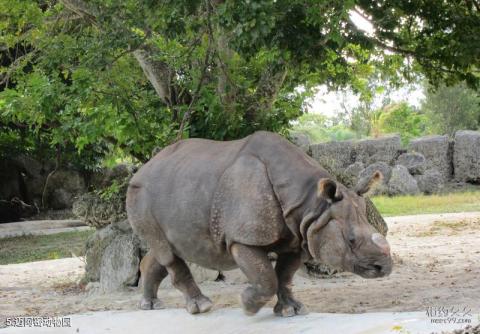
<point x="157" y="72"/>
<point x="267" y="89"/>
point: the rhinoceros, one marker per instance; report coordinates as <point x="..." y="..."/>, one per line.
<point x="226" y="205"/>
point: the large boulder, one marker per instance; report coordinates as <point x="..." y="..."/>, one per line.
<point x="415" y="162"/>
<point x="466" y="156"/>
<point x="384" y="149"/>
<point x="430" y="182"/>
<point x="401" y="182"/>
<point x="437" y="151"/>
<point x="120" y="262"/>
<point x="386" y="171"/>
<point x="335" y="154"/>
<point x="63" y="187"/>
<point x="113" y="256"/>
<point x="36" y="173"/>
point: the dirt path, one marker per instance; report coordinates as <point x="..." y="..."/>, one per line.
<point x="437" y="261"/>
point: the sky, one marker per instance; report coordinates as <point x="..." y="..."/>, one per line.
<point x="329" y="103"/>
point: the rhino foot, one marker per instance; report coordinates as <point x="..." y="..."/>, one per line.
<point x="253" y="300"/>
<point x="199" y="304"/>
<point x="288" y="307"/>
<point x="151" y="304"/>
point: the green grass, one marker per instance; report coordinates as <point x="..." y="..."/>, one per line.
<point x="421" y="204"/>
<point x="44" y="247"/>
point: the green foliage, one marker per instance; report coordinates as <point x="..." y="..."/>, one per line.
<point x="449" y="109"/>
<point x="402" y="119"/>
<point x="72" y="84"/>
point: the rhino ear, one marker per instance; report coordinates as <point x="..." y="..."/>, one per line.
<point x="326" y="189"/>
<point x="367" y="183"/>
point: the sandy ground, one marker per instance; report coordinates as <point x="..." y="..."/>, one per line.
<point x="437" y="264"/>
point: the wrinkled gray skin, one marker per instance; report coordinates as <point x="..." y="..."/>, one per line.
<point x="225" y="205"/>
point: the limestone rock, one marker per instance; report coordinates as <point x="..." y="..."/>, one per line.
<point x="63" y="187"/>
<point x="120" y="262"/>
<point x="415" y="162"/>
<point x="335" y="154"/>
<point x="430" y="182"/>
<point x="401" y="182"/>
<point x="113" y="256"/>
<point x="385" y="149"/>
<point x="466" y="156"/>
<point x="437" y="151"/>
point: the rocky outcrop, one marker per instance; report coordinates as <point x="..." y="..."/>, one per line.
<point x="113" y="256"/>
<point x="437" y="152"/>
<point x="385" y="149"/>
<point x="401" y="182"/>
<point x="430" y="182"/>
<point x="336" y="154"/>
<point x="63" y="187"/>
<point x="415" y="162"/>
<point x="466" y="156"/>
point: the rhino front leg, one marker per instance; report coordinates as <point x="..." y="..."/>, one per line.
<point x="287" y="306"/>
<point x="255" y="264"/>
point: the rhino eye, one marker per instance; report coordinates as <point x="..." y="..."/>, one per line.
<point x="351" y="240"/>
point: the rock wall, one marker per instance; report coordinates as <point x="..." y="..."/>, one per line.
<point x="426" y="166"/>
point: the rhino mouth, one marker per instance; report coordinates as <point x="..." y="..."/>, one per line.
<point x="374" y="270"/>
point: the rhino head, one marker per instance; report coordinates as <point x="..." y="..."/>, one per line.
<point x="342" y="237"/>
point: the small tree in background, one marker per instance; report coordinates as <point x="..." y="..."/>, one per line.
<point x="402" y="119"/>
<point x="449" y="109"/>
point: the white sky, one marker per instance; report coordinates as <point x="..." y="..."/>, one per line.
<point x="329" y="103"/>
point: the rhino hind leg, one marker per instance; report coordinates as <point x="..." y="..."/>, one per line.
<point x="161" y="257"/>
<point x="182" y="279"/>
<point x="285" y="268"/>
<point x="152" y="274"/>
<point x="255" y="264"/>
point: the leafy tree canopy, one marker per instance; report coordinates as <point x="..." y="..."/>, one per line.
<point x="104" y="78"/>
